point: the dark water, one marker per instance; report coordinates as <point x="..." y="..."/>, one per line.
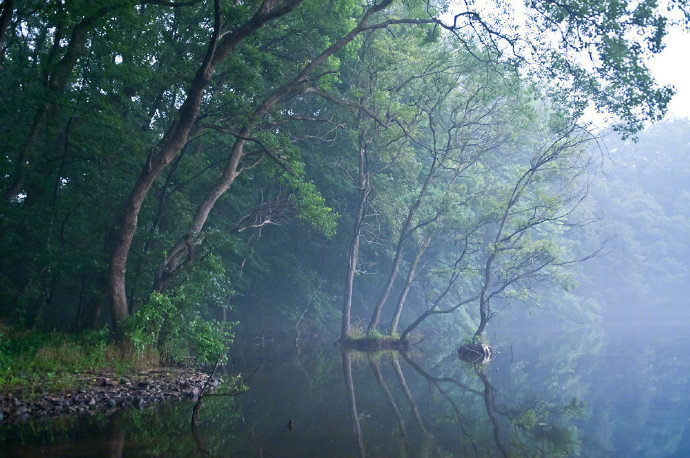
<point x="586" y="392"/>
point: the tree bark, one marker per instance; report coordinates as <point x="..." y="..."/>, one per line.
<point x="404" y="233"/>
<point x="365" y="189"/>
<point x="5" y="19"/>
<point x="172" y="266"/>
<point x="174" y="140"/>
<point x="408" y="284"/>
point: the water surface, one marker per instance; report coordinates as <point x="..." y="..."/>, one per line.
<point x="586" y="392"/>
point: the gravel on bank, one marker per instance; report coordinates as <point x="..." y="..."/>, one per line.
<point x="105" y="393"/>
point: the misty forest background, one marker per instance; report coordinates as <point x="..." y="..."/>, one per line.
<point x="333" y="168"/>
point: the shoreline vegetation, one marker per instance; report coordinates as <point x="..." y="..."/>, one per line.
<point x="46" y="375"/>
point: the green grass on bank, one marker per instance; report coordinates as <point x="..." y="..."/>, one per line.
<point x="358" y="333"/>
<point x="40" y="361"/>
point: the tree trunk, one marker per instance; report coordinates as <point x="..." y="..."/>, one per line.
<point x="404" y="233"/>
<point x="365" y="189"/>
<point x="171" y="266"/>
<point x="408" y="284"/>
<point x="484" y="306"/>
<point x="173" y="142"/>
<point x="5" y="19"/>
<point x="484" y="315"/>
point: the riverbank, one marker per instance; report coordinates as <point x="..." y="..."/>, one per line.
<point x="103" y="392"/>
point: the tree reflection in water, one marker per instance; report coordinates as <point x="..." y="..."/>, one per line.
<point x="498" y="431"/>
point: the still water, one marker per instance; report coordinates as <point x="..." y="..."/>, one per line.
<point x="586" y="392"/>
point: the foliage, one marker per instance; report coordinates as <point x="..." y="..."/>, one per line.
<point x="258" y="195"/>
<point x="166" y="324"/>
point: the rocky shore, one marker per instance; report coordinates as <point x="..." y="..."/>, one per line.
<point x="105" y="393"/>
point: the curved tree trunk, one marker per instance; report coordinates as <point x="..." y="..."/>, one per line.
<point x="404" y="233"/>
<point x="484" y="306"/>
<point x="173" y="265"/>
<point x="173" y="142"/>
<point x="408" y="283"/>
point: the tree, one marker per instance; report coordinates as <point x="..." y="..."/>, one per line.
<point x="533" y="196"/>
<point x="150" y="111"/>
<point x="220" y="45"/>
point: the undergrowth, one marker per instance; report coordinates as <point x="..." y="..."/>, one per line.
<point x="58" y="361"/>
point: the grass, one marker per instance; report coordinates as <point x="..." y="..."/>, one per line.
<point x="33" y="361"/>
<point x="358" y="333"/>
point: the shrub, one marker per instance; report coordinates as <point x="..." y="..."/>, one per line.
<point x="170" y="326"/>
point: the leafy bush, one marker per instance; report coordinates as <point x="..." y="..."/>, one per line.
<point x="178" y="324"/>
<point x="176" y="331"/>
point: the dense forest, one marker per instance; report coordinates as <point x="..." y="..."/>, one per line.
<point x="343" y="168"/>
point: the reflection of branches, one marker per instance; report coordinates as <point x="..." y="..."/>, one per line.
<point x="487" y="394"/>
<point x="444" y="393"/>
<point x="352" y="402"/>
<point x="195" y="411"/>
<point x="398" y="416"/>
<point x="436" y="380"/>
<point x="489" y="399"/>
<point x="406" y="390"/>
<point x="413" y="405"/>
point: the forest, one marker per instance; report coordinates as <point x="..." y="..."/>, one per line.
<point x="174" y="172"/>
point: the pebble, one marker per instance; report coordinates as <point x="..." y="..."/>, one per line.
<point x="105" y="394"/>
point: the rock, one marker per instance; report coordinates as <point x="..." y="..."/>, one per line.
<point x="106" y="394"/>
<point x="475" y="353"/>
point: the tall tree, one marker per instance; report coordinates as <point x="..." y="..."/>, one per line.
<point x="220" y="45"/>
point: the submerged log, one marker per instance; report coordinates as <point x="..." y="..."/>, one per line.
<point x="373" y="344"/>
<point x="476" y="353"/>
